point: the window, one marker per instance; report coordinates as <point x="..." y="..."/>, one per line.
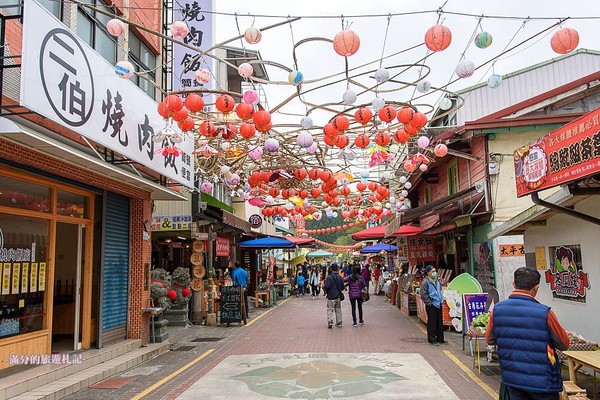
<point x="144" y="60"/>
<point x="91" y="27"/>
<point x="427" y="195"/>
<point x="453" y="178"/>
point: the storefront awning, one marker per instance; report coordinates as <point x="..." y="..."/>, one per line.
<point x="436" y="205"/>
<point x="48" y="142"/>
<point x="375" y="232"/>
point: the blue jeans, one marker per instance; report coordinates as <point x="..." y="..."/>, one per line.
<point x="517" y="394"/>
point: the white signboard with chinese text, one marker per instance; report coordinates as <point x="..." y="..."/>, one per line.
<point x="67" y="81"/>
<point x="197" y="15"/>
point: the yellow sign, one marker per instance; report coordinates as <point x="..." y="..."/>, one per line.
<point x="540" y="257"/>
<point x="34" y="276"/>
<point x="15" y="278"/>
<point x="171" y="223"/>
<point x="6" y="279"/>
<point x="512" y="250"/>
<point x="25" y="278"/>
<point x="42" y="277"/>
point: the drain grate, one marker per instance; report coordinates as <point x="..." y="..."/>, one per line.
<point x="414" y="340"/>
<point x="491" y="371"/>
<point x="184" y="348"/>
<point x="207" y="339"/>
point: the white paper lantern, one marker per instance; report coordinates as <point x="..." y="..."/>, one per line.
<point x="271" y="145"/>
<point x="404" y="193"/>
<point x="202" y="76"/>
<point x="465" y="68"/>
<point x="392" y="199"/>
<point x="305" y="139"/>
<point x="402" y="179"/>
<point x="382" y="75"/>
<point x="378" y="103"/>
<point x="423" y="86"/>
<point x="252" y="35"/>
<point x="394" y="148"/>
<point x="364" y="174"/>
<point x="245" y="70"/>
<point x="124" y="69"/>
<point x="445" y="104"/>
<point x="225" y="146"/>
<point x="269" y="199"/>
<point x="225" y="169"/>
<point x="179" y="30"/>
<point x="423" y="167"/>
<point x="349" y="97"/>
<point x="423" y="142"/>
<point x="407" y="185"/>
<point x="494" y="81"/>
<point x="288" y="205"/>
<point x="306" y="122"/>
<point x="387" y="174"/>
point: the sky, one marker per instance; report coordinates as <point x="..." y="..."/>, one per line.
<point x="316" y="59"/>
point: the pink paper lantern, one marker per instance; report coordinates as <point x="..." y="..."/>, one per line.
<point x="179" y="30"/>
<point x="305" y="139"/>
<point x="202" y="76"/>
<point x="312" y="148"/>
<point x="440" y="150"/>
<point x="255" y="153"/>
<point x="409" y="166"/>
<point x="423" y="142"/>
<point x="252" y="35"/>
<point x="206" y="187"/>
<point x="115" y="27"/>
<point x="245" y="70"/>
<point x="271" y="145"/>
<point x="250" y="97"/>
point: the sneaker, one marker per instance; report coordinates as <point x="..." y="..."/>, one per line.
<point x="339" y="324"/>
<point x="361" y="322"/>
<point x="330" y="326"/>
<point x="355" y="324"/>
<point x="434" y="343"/>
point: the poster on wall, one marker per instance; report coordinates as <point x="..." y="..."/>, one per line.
<point x="565" y="276"/>
<point x="223" y="249"/>
<point x="484" y="265"/>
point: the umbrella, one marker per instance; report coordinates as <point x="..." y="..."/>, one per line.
<point x="267" y="243"/>
<point x="379" y="247"/>
<point x="408" y="230"/>
<point x="376" y="232"/>
<point x="299" y="241"/>
<point x="319" y="253"/>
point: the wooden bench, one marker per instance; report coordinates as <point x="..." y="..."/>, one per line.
<point x="259" y="294"/>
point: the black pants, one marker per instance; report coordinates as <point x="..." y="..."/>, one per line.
<point x="353" y="303"/>
<point x="517" y="394"/>
<point x="246" y="300"/>
<point x="315" y="290"/>
<point x="435" y="325"/>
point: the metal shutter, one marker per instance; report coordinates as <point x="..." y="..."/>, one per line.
<point x="115" y="274"/>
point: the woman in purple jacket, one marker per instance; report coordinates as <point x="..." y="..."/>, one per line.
<point x="356" y="283"/>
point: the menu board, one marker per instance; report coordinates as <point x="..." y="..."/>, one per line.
<point x="474" y="305"/>
<point x="231" y="304"/>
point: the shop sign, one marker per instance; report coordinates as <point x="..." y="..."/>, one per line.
<point x="199" y="271"/>
<point x="223" y="249"/>
<point x="171" y="223"/>
<point x="420" y="248"/>
<point x="197" y="258"/>
<point x="68" y="82"/>
<point x="512" y="250"/>
<point x="540" y="258"/>
<point x="199" y="18"/>
<point x="255" y="221"/>
<point x="569" y="153"/>
<point x="236" y="222"/>
<point x="565" y="276"/>
<point x="402" y="244"/>
<point x="199" y="246"/>
<point x="474" y="305"/>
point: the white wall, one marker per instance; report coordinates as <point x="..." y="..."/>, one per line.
<point x="562" y="229"/>
<point x="505" y="266"/>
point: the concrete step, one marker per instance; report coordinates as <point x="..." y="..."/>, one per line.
<point x="58" y="381"/>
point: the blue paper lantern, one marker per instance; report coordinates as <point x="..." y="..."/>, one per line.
<point x="295" y="78"/>
<point x="483" y="40"/>
<point x="494" y="81"/>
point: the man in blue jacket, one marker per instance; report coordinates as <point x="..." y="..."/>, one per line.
<point x="431" y="294"/>
<point x="239" y="276"/>
<point x="527" y="334"/>
<point x="334" y="285"/>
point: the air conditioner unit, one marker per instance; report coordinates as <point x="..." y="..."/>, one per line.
<point x="493" y="168"/>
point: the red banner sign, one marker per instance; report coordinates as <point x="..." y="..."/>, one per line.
<point x="420" y="248"/>
<point x="223" y="249"/>
<point x="569" y="153"/>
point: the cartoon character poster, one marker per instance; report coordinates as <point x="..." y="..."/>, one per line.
<point x="566" y="277"/>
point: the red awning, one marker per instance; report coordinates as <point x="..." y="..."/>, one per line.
<point x="408" y="230"/>
<point x="298" y="241"/>
<point x="376" y="232"/>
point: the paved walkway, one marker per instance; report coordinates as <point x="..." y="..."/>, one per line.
<point x="288" y="352"/>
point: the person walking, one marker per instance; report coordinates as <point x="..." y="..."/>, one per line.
<point x="529" y="365"/>
<point x="334" y="286"/>
<point x="366" y="274"/>
<point x="315" y="282"/>
<point x="431" y="294"/>
<point x="356" y="284"/>
<point x="377" y="280"/>
<point x="239" y="277"/>
<point x="301" y="283"/>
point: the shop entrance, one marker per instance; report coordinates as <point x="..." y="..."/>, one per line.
<point x="68" y="267"/>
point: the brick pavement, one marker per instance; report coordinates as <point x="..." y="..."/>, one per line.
<point x="299" y="326"/>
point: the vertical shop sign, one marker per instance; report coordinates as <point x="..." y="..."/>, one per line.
<point x="6" y="279"/>
<point x="16" y="270"/>
<point x="420" y="248"/>
<point x="34" y="277"/>
<point x="198" y="16"/>
<point x="223" y="249"/>
<point x="540" y="258"/>
<point x="42" y="277"/>
<point x="565" y="276"/>
<point x="68" y="82"/>
<point x="25" y="277"/>
<point x="484" y="265"/>
<point x="271" y="273"/>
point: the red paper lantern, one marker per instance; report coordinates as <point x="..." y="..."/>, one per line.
<point x="342" y="141"/>
<point x="207" y="129"/>
<point x="173" y="103"/>
<point x="363" y="115"/>
<point x="405" y="115"/>
<point x="247" y="130"/>
<point x="186" y="125"/>
<point x="361" y="187"/>
<point x="409" y="166"/>
<point x="181" y="115"/>
<point x="330" y="130"/>
<point x="440" y="150"/>
<point x="419" y="120"/>
<point x="382" y="138"/>
<point x="401" y="136"/>
<point x="330" y="140"/>
<point x="264" y="128"/>
<point x="346" y="43"/>
<point x="381" y="190"/>
<point x="300" y="174"/>
<point x="411" y="130"/>
<point x="387" y="113"/>
<point x="345" y="190"/>
<point x="244" y="111"/>
<point x="285" y="193"/>
<point x="274" y="192"/>
<point x="341" y="123"/>
<point x="315" y="192"/>
<point x="351" y="225"/>
<point x="438" y="38"/>
<point x="162" y="110"/>
<point x="325" y="174"/>
<point x="194" y="102"/>
<point x="362" y="141"/>
<point x="225" y="103"/>
<point x="313" y="174"/>
<point x="564" y="40"/>
<point x="262" y="117"/>
<point x="303" y="195"/>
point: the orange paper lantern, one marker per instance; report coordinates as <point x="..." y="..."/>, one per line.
<point x="419" y="120"/>
<point x="341" y="122"/>
<point x="194" y="102"/>
<point x="362" y="141"/>
<point x="438" y="38"/>
<point x="382" y="138"/>
<point x="225" y="103"/>
<point x="342" y="141"/>
<point x="247" y="130"/>
<point x="401" y="136"/>
<point x="405" y="115"/>
<point x="244" y="111"/>
<point x="363" y="115"/>
<point x="262" y="118"/>
<point x="564" y="40"/>
<point x="346" y="43"/>
<point x="387" y="113"/>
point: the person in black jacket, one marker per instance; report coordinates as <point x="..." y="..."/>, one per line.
<point x="334" y="285"/>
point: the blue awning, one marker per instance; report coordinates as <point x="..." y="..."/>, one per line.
<point x="267" y="243"/>
<point x="379" y="247"/>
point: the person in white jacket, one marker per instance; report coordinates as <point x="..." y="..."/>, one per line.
<point x="315" y="281"/>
